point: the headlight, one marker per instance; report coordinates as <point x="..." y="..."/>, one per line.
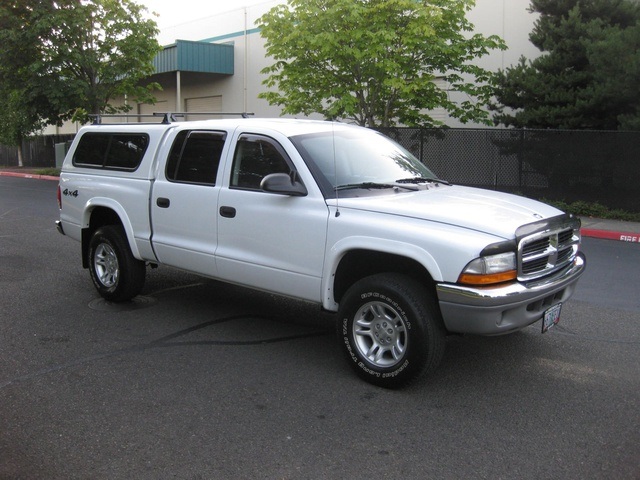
<point x="490" y="269"/>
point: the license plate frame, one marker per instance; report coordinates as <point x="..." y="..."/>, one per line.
<point x="551" y="317"/>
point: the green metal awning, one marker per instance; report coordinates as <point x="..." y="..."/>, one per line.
<point x="188" y="56"/>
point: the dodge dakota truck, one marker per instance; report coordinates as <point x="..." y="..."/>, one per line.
<point x="324" y="212"/>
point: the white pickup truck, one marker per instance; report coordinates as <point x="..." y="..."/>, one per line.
<point x="324" y="212"/>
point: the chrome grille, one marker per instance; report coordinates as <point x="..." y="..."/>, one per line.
<point x="547" y="251"/>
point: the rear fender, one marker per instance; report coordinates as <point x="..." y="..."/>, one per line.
<point x="90" y="224"/>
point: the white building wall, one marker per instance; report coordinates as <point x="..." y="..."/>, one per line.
<point x="509" y="19"/>
<point x="240" y="91"/>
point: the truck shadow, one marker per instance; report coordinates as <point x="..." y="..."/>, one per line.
<point x="233" y="315"/>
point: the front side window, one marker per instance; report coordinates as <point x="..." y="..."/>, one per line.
<point x="116" y="151"/>
<point x="255" y="158"/>
<point x="195" y="157"/>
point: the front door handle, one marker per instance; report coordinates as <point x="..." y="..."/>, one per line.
<point x="163" y="202"/>
<point x="228" y="212"/>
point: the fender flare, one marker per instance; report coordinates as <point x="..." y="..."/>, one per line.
<point x="118" y="209"/>
<point x="338" y="251"/>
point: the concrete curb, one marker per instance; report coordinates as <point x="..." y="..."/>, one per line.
<point x="628" y="237"/>
<point x="29" y="175"/>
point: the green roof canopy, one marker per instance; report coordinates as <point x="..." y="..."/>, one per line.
<point x="187" y="56"/>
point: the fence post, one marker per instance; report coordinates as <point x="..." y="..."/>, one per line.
<point x="521" y="160"/>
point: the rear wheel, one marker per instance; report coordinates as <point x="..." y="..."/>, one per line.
<point x="390" y="329"/>
<point x="116" y="273"/>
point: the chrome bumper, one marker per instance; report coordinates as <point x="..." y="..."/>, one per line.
<point x="505" y="308"/>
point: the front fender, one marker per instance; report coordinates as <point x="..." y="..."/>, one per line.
<point x="387" y="246"/>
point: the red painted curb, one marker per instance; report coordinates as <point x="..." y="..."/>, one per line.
<point x="29" y="175"/>
<point x="609" y="235"/>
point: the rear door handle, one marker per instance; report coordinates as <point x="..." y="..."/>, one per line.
<point x="228" y="212"/>
<point x="163" y="202"/>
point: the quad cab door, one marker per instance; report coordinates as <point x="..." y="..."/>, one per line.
<point x="184" y="202"/>
<point x="268" y="240"/>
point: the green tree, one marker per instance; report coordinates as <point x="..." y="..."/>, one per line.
<point x="375" y="62"/>
<point x="73" y="57"/>
<point x="17" y="120"/>
<point x="587" y="75"/>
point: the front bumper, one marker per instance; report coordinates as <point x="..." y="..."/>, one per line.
<point x="505" y="308"/>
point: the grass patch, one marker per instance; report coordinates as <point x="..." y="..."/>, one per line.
<point x="54" y="172"/>
<point x="594" y="209"/>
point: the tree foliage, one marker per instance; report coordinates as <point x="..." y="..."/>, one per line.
<point x="375" y="62"/>
<point x="588" y="74"/>
<point x="73" y="57"/>
<point x="17" y="120"/>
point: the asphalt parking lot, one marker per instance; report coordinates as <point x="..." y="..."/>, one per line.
<point x="202" y="380"/>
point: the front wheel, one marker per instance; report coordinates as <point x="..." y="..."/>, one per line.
<point x="116" y="273"/>
<point x="390" y="329"/>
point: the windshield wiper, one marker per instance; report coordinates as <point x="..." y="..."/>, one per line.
<point x="373" y="185"/>
<point x="422" y="180"/>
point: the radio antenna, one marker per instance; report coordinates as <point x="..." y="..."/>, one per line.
<point x="335" y="167"/>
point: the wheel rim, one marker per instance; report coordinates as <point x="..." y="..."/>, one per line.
<point x="380" y="334"/>
<point x="105" y="264"/>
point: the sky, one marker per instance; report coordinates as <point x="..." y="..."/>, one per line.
<point x="176" y="12"/>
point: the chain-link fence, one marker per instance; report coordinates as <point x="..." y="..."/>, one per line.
<point x="569" y="165"/>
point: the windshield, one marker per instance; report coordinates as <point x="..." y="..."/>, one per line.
<point x="359" y="158"/>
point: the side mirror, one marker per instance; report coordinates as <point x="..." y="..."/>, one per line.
<point x="283" y="184"/>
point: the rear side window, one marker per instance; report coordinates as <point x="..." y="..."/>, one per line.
<point x="116" y="151"/>
<point x="195" y="157"/>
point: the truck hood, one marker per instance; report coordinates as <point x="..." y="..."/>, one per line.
<point x="487" y="211"/>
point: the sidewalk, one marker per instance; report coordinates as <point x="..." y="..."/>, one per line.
<point x="591" y="227"/>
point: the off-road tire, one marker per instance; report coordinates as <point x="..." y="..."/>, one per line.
<point x="116" y="273"/>
<point x="391" y="330"/>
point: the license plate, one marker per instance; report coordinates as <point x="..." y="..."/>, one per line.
<point x="551" y="317"/>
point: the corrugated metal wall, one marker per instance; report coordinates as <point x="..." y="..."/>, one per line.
<point x="203" y="57"/>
